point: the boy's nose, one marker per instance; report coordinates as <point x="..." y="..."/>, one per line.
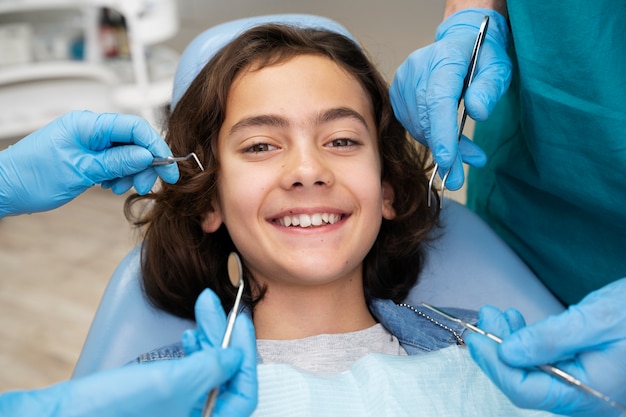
<point x="307" y="167"/>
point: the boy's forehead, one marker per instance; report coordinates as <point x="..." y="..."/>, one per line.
<point x="317" y="74"/>
<point x="272" y="61"/>
<point x="304" y="92"/>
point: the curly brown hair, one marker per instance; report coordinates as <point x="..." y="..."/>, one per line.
<point x="179" y="260"/>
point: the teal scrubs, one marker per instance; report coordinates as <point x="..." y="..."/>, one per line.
<point x="555" y="184"/>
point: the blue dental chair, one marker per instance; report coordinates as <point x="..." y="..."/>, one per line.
<point x="469" y="266"/>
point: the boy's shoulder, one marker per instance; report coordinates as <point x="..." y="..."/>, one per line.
<point x="173" y="351"/>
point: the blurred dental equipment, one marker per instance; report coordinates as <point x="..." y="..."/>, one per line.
<point x="171" y="159"/>
<point x="480" y="38"/>
<point x="235" y="274"/>
<point x="549" y="369"/>
<point x="107" y="56"/>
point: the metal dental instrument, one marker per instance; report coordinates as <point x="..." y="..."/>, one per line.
<point x="480" y="38"/>
<point x="171" y="159"/>
<point x="549" y="369"/>
<point x="235" y="274"/>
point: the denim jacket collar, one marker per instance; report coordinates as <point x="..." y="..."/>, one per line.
<point x="417" y="332"/>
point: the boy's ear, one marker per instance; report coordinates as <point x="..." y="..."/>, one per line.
<point x="389" y="213"/>
<point x="212" y="220"/>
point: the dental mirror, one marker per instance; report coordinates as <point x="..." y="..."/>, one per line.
<point x="235" y="271"/>
<point x="235" y="274"/>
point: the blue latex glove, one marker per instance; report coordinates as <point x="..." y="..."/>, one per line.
<point x="56" y="163"/>
<point x="157" y="389"/>
<point x="427" y="87"/>
<point x="238" y="396"/>
<point x="588" y="341"/>
<point x="168" y="388"/>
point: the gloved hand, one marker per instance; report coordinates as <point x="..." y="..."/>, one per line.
<point x="588" y="341"/>
<point x="427" y="87"/>
<point x="157" y="389"/>
<point x="239" y="396"/>
<point x="56" y="163"/>
<point x="163" y="388"/>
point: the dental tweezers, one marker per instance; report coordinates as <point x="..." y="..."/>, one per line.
<point x="549" y="369"/>
<point x="480" y="38"/>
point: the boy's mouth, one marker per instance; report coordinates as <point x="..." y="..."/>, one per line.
<point x="309" y="220"/>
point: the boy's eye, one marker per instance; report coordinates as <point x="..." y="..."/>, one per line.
<point x="259" y="147"/>
<point x="342" y="142"/>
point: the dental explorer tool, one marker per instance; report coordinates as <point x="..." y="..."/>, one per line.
<point x="480" y="38"/>
<point x="549" y="369"/>
<point x="235" y="274"/>
<point x="171" y="159"/>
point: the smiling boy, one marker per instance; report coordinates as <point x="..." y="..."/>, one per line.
<point x="300" y="193"/>
<point x="312" y="180"/>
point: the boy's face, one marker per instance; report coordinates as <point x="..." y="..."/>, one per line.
<point x="300" y="183"/>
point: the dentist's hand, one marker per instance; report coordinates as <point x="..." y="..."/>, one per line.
<point x="588" y="341"/>
<point x="177" y="387"/>
<point x="427" y="87"/>
<point x="238" y="397"/>
<point x="56" y="163"/>
<point x="157" y="389"/>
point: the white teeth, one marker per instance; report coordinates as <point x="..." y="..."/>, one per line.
<point x="306" y="220"/>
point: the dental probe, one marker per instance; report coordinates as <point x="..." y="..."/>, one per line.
<point x="171" y="159"/>
<point x="549" y="369"/>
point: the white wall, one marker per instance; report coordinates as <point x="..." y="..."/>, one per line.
<point x="389" y="30"/>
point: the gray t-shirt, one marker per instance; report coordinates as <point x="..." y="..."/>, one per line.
<point x="329" y="353"/>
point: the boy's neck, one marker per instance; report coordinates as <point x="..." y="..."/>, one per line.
<point x="295" y="313"/>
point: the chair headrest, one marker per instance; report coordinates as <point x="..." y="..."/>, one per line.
<point x="209" y="42"/>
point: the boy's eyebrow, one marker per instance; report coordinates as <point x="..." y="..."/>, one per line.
<point x="279" y="121"/>
<point x="341" y="113"/>
<point x="262" y="120"/>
